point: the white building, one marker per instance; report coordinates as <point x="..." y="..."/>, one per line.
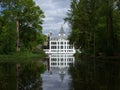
<point x="60" y="44"/>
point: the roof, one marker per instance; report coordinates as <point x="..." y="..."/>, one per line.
<point x="61" y="35"/>
<point x="62" y="31"/>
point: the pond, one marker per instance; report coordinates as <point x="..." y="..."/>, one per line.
<point x="56" y="77"/>
<point x="83" y="74"/>
<point x="21" y="76"/>
<point x="61" y="72"/>
<point x="95" y="74"/>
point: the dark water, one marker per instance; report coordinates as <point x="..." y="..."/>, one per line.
<point x="21" y="76"/>
<point x="95" y="75"/>
<point x="88" y="74"/>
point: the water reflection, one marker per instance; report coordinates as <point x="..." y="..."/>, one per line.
<point x="57" y="77"/>
<point x="21" y="76"/>
<point x="7" y="76"/>
<point x="60" y="61"/>
<point x="96" y="75"/>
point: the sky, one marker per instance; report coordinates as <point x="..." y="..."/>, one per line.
<point x="55" y="11"/>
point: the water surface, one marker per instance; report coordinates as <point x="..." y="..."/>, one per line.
<point x="57" y="76"/>
<point x="93" y="74"/>
<point x="21" y="76"/>
<point x="63" y="72"/>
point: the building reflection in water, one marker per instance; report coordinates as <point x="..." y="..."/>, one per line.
<point x="59" y="64"/>
<point x="56" y="77"/>
<point x="60" y="60"/>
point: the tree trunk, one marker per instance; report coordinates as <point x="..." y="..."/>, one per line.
<point x="110" y="33"/>
<point x="17" y="32"/>
<point x="94" y="45"/>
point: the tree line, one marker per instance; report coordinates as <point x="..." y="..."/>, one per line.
<point x="95" y="26"/>
<point x="20" y="25"/>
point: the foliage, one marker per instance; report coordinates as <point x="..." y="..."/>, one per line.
<point x="25" y="15"/>
<point x="22" y="57"/>
<point x="95" y="26"/>
<point x="8" y="36"/>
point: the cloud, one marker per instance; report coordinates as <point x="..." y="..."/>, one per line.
<point x="55" y="11"/>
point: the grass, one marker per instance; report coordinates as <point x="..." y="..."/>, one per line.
<point x="22" y="57"/>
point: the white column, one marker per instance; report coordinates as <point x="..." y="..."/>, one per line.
<point x="59" y="46"/>
<point x="66" y="60"/>
<point x="63" y="46"/>
<point x="50" y="60"/>
<point x="66" y="46"/>
<point x="50" y="46"/>
<point x="55" y="45"/>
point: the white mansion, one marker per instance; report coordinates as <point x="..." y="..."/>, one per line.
<point x="60" y="44"/>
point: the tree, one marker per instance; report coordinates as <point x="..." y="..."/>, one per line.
<point x="8" y="35"/>
<point x="27" y="18"/>
<point x="95" y="27"/>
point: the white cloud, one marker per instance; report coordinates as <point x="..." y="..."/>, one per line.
<point x="55" y="11"/>
<point x="49" y="19"/>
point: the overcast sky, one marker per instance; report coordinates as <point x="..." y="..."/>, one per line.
<point x="55" y="11"/>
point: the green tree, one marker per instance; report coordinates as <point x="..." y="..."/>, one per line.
<point x="27" y="20"/>
<point x="8" y="36"/>
<point x="95" y="26"/>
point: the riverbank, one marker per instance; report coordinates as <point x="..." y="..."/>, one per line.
<point x="102" y="57"/>
<point x="22" y="56"/>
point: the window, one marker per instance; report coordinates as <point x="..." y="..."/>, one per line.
<point x="53" y="59"/>
<point x="53" y="47"/>
<point x="53" y="42"/>
<point x="70" y="46"/>
<point x="67" y="47"/>
<point x="61" y="42"/>
<point x="53" y="63"/>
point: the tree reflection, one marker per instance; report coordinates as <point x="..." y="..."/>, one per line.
<point x="7" y="76"/>
<point x="21" y="76"/>
<point x="95" y="75"/>
<point x="29" y="76"/>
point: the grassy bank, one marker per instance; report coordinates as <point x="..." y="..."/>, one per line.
<point x="102" y="57"/>
<point x="22" y="56"/>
